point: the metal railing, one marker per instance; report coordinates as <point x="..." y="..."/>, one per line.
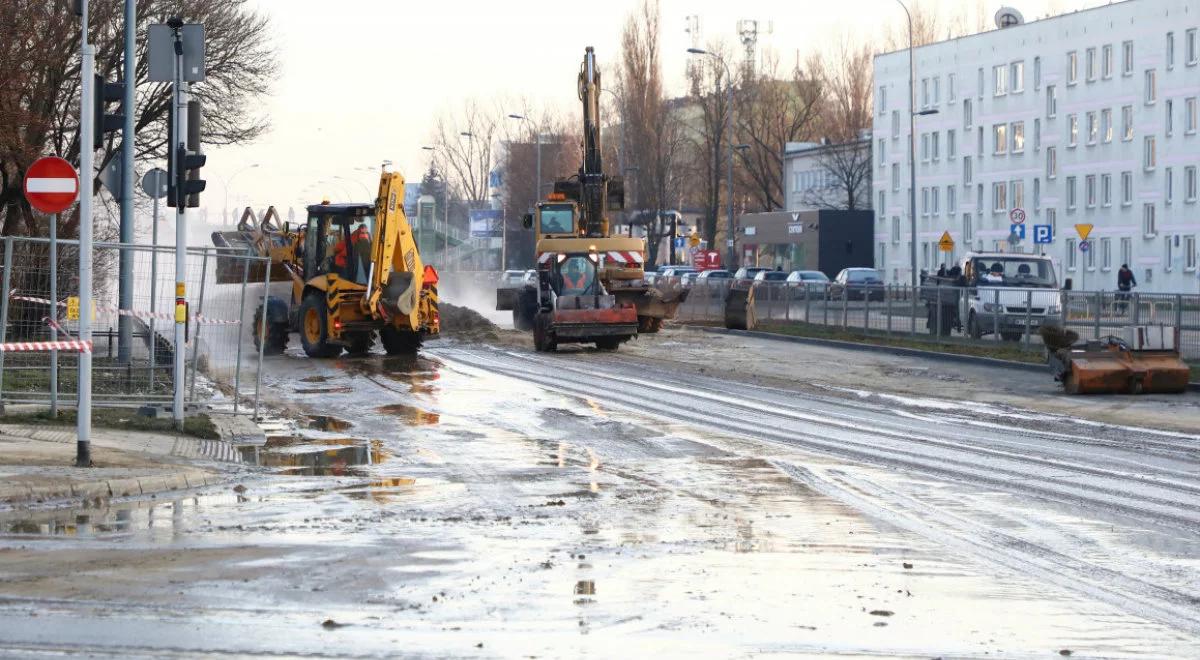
<point x="956" y="314"/>
<point x="38" y="305"/>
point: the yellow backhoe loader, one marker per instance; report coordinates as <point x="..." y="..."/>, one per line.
<point x="355" y="272"/>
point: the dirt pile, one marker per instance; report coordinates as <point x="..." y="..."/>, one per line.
<point x="465" y="323"/>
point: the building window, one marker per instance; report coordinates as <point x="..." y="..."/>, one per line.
<point x="1000" y="79"/>
<point x="1037" y="133"/>
<point x="1149" y="157"/>
<point x="1017" y="79"/>
<point x="924" y="147"/>
<point x="1151" y="87"/>
<point x="966" y="113"/>
<point x="895" y="124"/>
<point x="935" y="148"/>
<point x="1072" y="68"/>
<point x="937" y="90"/>
<point x="895" y="177"/>
<point x="1093" y="128"/>
<point x="1072" y="130"/>
<point x="1127" y="58"/>
<point x="933" y="200"/>
<point x="1017" y="194"/>
<point x="1168" y="254"/>
<point x="1170" y="125"/>
<point x="999" y="138"/>
<point x="1037" y="73"/>
<point x="882" y="100"/>
<point x="1148" y="224"/>
<point x="924" y="202"/>
<point x="1106" y="189"/>
<point x="979" y="146"/>
<point x="1106" y="127"/>
<point x="882" y="152"/>
<point x="1052" y="220"/>
<point x="1189" y="39"/>
<point x="966" y="170"/>
<point x="1018" y="137"/>
<point x="968" y="231"/>
<point x="1089" y="258"/>
<point x="951" y="200"/>
<point x="1126" y="123"/>
<point x="1126" y="250"/>
<point x="924" y="92"/>
<point x="1091" y="64"/>
<point x="980" y="83"/>
<point x="950" y="93"/>
<point x="882" y="208"/>
<point x="1189" y="115"/>
<point x="1089" y="191"/>
<point x="1189" y="183"/>
<point x="1126" y="188"/>
<point x="999" y="197"/>
<point x="895" y="229"/>
<point x="1170" y="50"/>
<point x="1106" y="62"/>
<point x="1051" y="102"/>
<point x="951" y="147"/>
<point x="979" y="198"/>
<point x="1051" y="162"/>
<point x="1070" y="193"/>
<point x="1071" y="254"/>
<point x="1189" y="253"/>
<point x="1169" y="183"/>
<point x="1106" y="254"/>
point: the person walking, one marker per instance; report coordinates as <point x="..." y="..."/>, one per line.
<point x="1125" y="283"/>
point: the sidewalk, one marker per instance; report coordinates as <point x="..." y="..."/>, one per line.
<point x="36" y="464"/>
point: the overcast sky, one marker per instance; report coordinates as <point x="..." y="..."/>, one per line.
<point x="362" y="80"/>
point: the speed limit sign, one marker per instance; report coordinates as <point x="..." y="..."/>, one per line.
<point x="1017" y="216"/>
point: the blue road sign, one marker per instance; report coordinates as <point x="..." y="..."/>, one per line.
<point x="1084" y="246"/>
<point x="679" y="241"/>
<point x="1019" y="230"/>
<point x="1043" y="234"/>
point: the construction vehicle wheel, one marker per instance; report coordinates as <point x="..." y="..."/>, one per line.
<point x="649" y="324"/>
<point x="360" y="344"/>
<point x="608" y="343"/>
<point x="399" y="342"/>
<point x="543" y="339"/>
<point x="525" y="309"/>
<point x="1070" y="383"/>
<point x="276" y="335"/>
<point x="314" y="328"/>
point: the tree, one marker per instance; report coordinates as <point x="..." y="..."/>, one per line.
<point x="772" y="112"/>
<point x="709" y="138"/>
<point x="845" y="75"/>
<point x="463" y="148"/>
<point x="848" y="169"/>
<point x="39" y="97"/>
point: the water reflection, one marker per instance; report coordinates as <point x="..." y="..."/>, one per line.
<point x="321" y="457"/>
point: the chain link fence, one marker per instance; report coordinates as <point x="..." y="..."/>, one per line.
<point x="953" y="314"/>
<point x="40" y="303"/>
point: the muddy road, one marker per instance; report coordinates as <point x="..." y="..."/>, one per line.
<point x="483" y="500"/>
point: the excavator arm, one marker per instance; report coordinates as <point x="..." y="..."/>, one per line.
<point x="398" y="276"/>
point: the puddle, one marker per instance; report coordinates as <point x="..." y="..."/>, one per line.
<point x="410" y="414"/>
<point x="316" y="457"/>
<point x="328" y="423"/>
<point x="84" y="522"/>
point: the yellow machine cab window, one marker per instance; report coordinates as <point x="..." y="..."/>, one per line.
<point x="558" y="219"/>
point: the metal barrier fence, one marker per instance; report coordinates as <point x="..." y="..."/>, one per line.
<point x="983" y="314"/>
<point x="39" y="303"/>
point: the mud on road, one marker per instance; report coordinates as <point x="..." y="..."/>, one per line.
<point x="485" y="500"/>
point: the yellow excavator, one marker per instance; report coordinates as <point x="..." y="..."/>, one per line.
<point x="355" y="273"/>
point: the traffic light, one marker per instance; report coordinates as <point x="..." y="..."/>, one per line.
<point x="183" y="167"/>
<point x="104" y="93"/>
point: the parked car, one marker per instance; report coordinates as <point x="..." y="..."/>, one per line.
<point x="857" y="284"/>
<point x="712" y="281"/>
<point x="814" y="283"/>
<point x="677" y="271"/>
<point x="688" y="279"/>
<point x="770" y="284"/>
<point x="746" y="273"/>
<point x="711" y="276"/>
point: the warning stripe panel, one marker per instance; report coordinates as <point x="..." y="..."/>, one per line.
<point x="38" y="346"/>
<point x="162" y="316"/>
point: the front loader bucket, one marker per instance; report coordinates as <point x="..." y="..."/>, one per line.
<point x="1113" y="371"/>
<point x="230" y="270"/>
<point x="506" y="299"/>
<point x="739" y="308"/>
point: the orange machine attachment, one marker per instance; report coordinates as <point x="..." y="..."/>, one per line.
<point x="1145" y="361"/>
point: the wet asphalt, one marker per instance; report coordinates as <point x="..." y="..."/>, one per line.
<point x="483" y="501"/>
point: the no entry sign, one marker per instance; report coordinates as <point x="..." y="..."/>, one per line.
<point x="51" y="185"/>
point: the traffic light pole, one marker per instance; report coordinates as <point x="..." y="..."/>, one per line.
<point x="177" y="149"/>
<point x="83" y="425"/>
<point x="125" y="267"/>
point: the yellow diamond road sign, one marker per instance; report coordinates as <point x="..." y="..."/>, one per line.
<point x="946" y="244"/>
<point x="1084" y="230"/>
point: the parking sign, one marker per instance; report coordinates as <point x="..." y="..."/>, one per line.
<point x="1043" y="234"/>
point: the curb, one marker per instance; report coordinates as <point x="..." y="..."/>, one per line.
<point x="891" y="350"/>
<point x="18" y="494"/>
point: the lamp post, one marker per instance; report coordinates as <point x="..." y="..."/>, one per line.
<point x="912" y="146"/>
<point x="729" y="121"/>
<point x="229" y="180"/>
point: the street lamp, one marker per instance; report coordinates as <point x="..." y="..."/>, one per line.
<point x="912" y="146"/>
<point x="537" y="188"/>
<point x="229" y="180"/>
<point x="729" y="121"/>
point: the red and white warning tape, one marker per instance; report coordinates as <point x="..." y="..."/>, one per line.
<point x="161" y="316"/>
<point x="37" y="346"/>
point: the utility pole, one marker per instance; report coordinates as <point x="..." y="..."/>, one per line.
<point x="177" y="147"/>
<point x="125" y="264"/>
<point x="87" y="176"/>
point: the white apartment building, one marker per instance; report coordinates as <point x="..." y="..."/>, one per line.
<point x="1086" y="118"/>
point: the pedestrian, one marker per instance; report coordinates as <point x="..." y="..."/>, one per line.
<point x="942" y="270"/>
<point x="1125" y="283"/>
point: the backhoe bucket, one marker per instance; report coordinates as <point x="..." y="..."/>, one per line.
<point x="739" y="308"/>
<point x="1123" y="372"/>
